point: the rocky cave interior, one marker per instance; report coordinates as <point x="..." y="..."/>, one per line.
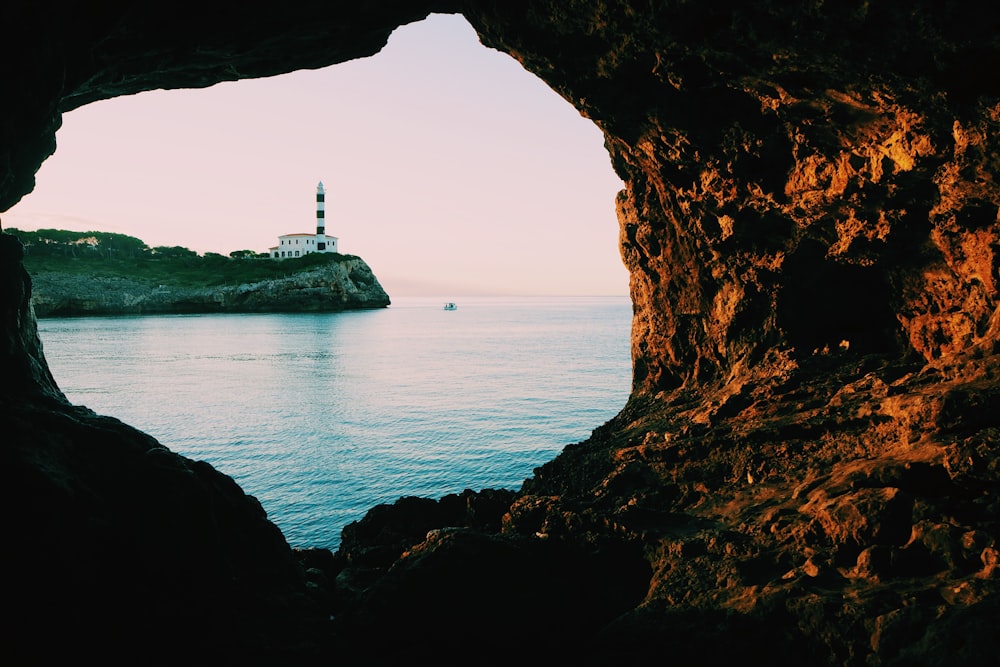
<point x="807" y="468"/>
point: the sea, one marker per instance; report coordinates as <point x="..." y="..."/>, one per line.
<point x="322" y="416"/>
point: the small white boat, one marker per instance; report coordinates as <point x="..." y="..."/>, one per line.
<point x="450" y="306"/>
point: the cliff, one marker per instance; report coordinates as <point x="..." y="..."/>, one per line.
<point x="344" y="285"/>
<point x="807" y="469"/>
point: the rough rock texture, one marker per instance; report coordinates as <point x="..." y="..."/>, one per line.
<point x="807" y="471"/>
<point x="347" y="285"/>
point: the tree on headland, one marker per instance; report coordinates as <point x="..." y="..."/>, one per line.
<point x="52" y="242"/>
<point x="173" y="252"/>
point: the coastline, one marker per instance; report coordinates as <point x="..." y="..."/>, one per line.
<point x="348" y="285"/>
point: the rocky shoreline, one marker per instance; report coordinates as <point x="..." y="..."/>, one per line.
<point x="346" y="285"/>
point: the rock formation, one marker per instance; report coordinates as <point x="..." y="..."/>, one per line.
<point x="345" y="285"/>
<point x="807" y="469"/>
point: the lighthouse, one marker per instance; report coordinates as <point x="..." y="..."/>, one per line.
<point x="320" y="218"/>
<point x="304" y="243"/>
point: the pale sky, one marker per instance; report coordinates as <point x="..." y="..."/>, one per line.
<point x="447" y="167"/>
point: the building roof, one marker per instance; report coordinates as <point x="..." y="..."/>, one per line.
<point x="284" y="236"/>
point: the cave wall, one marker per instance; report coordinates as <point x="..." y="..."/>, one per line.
<point x="799" y="177"/>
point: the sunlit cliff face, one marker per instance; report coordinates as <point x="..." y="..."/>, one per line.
<point x="860" y="237"/>
<point x="798" y="179"/>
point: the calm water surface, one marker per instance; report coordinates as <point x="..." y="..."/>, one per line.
<point x="322" y="416"/>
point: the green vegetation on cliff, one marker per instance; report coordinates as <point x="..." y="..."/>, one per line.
<point x="111" y="255"/>
<point x="99" y="273"/>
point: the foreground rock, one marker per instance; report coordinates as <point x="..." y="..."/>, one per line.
<point x="344" y="285"/>
<point x="120" y="549"/>
<point x="807" y="469"/>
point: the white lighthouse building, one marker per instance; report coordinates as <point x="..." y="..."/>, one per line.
<point x="301" y="244"/>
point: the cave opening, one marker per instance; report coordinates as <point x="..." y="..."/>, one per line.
<point x="824" y="305"/>
<point x="519" y="201"/>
